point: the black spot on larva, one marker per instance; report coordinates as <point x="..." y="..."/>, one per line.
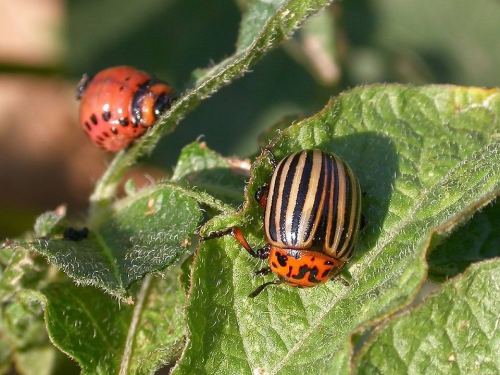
<point x="106" y="115"/>
<point x="274" y="265"/>
<point x="326" y="273"/>
<point x="328" y="263"/>
<point x="87" y="125"/>
<point x="312" y="259"/>
<point x="114" y="130"/>
<point x="123" y="121"/>
<point x="126" y="79"/>
<point x="105" y="134"/>
<point x="93" y="118"/>
<point x="121" y="88"/>
<point x="100" y="138"/>
<point x="282" y="259"/>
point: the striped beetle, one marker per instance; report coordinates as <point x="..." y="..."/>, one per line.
<point x="311" y="222"/>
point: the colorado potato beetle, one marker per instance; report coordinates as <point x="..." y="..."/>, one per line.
<point x="118" y="104"/>
<point x="311" y="222"/>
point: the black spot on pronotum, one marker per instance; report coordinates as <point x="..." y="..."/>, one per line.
<point x="114" y="130"/>
<point x="282" y="259"/>
<point x="87" y="125"/>
<point x="106" y="115"/>
<point x="326" y="273"/>
<point x="123" y="121"/>
<point x="289" y="271"/>
<point x="105" y="134"/>
<point x="274" y="265"/>
<point x="313" y="272"/>
<point x="100" y="138"/>
<point x="328" y="263"/>
<point x="93" y="118"/>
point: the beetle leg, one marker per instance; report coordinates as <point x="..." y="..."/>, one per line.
<point x="257" y="291"/>
<point x="261" y="195"/>
<point x="263" y="272"/>
<point x="272" y="158"/>
<point x="260" y="253"/>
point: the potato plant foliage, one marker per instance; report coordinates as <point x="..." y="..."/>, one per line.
<point x="140" y="293"/>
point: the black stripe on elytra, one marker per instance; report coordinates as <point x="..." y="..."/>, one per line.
<point x="87" y="125"/>
<point x="334" y="214"/>
<point x="93" y="118"/>
<point x="317" y="199"/>
<point x="301" y="197"/>
<point x="347" y="211"/>
<point x="272" y="216"/>
<point x="285" y="197"/>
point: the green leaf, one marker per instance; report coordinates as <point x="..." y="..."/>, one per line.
<point x="454" y="331"/>
<point x="50" y="222"/>
<point x="276" y="26"/>
<point x="204" y="169"/>
<point x="255" y="19"/>
<point x="106" y="337"/>
<point x="425" y="157"/>
<point x="25" y="269"/>
<point x="477" y="240"/>
<point x="44" y="360"/>
<point x="146" y="233"/>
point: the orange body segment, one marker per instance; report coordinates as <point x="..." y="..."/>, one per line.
<point x="303" y="268"/>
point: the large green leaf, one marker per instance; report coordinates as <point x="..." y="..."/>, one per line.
<point x="106" y="337"/>
<point x="478" y="240"/>
<point x="425" y="156"/>
<point x="146" y="233"/>
<point x="455" y="331"/>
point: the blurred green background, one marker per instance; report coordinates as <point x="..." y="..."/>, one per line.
<point x="47" y="159"/>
